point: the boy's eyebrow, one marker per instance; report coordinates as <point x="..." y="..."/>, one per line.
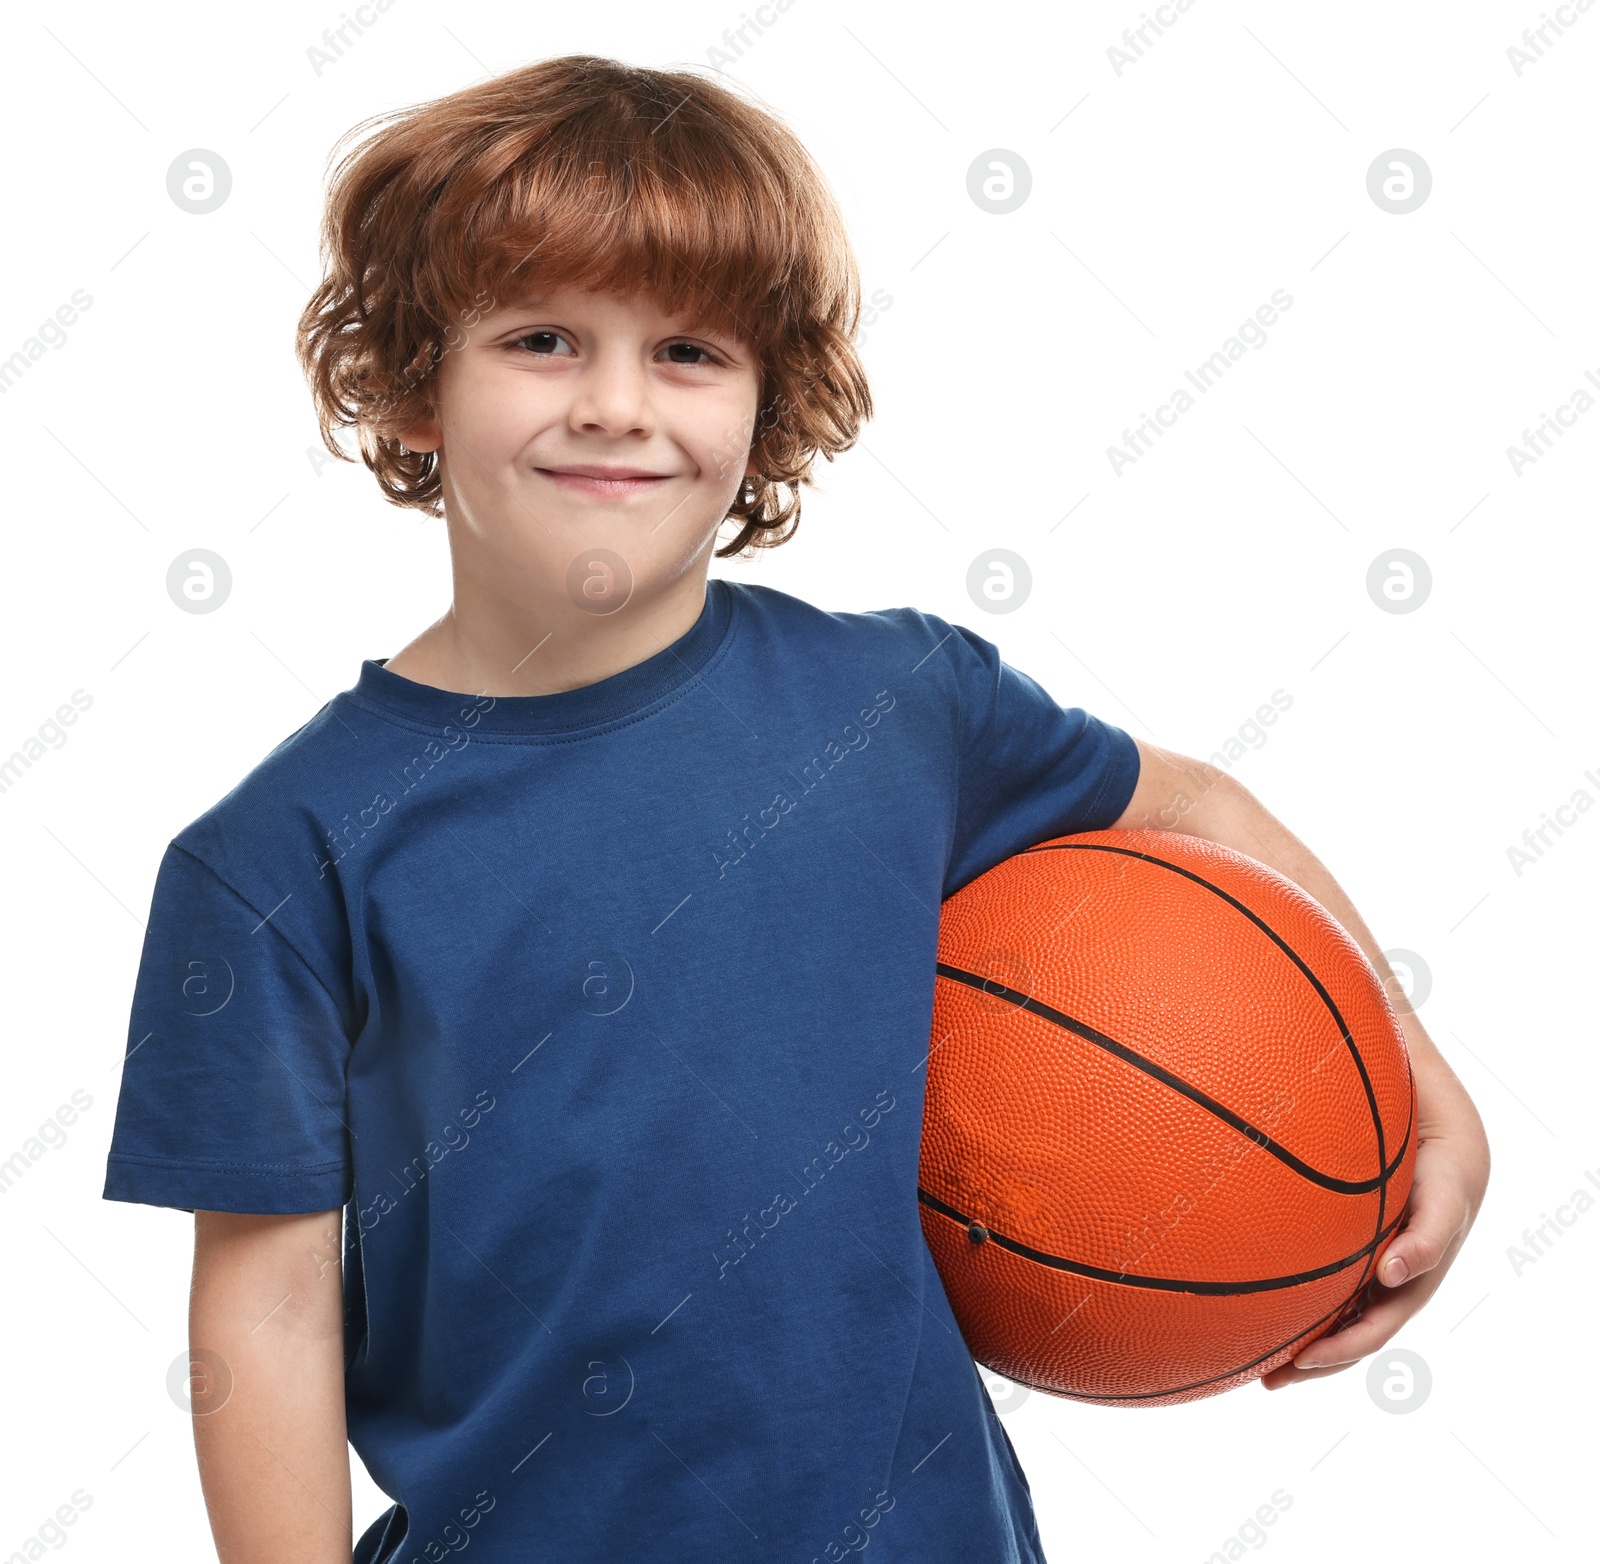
<point x="526" y="302"/>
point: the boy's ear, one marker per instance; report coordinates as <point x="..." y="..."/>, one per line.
<point x="423" y="436"/>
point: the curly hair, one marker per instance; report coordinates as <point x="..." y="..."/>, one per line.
<point x="612" y="177"/>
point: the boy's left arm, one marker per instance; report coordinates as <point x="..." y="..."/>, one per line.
<point x="1177" y="793"/>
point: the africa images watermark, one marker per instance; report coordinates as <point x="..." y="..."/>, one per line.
<point x="738" y="1244"/>
<point x="457" y="334"/>
<point x="1539" y="1241"/>
<point x="1136" y="40"/>
<point x="741" y="839"/>
<point x="1536" y="840"/>
<point x="452" y="1137"/>
<point x="51" y="331"/>
<point x="49" y="736"/>
<point x="352" y="830"/>
<point x="737" y="41"/>
<point x="1250" y="734"/>
<point x="51" y="1532"/>
<point x="51" y="1135"/>
<point x="1545" y="433"/>
<point x="1535" y="40"/>
<point x="338" y="40"/>
<point x="1137" y="441"/>
<point x="1251" y="1530"/>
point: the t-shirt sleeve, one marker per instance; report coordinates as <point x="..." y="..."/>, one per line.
<point x="1030" y="769"/>
<point x="233" y="1085"/>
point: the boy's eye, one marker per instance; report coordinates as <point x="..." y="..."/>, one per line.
<point x="542" y="341"/>
<point x="690" y="347"/>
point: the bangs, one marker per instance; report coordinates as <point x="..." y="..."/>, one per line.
<point x="633" y="193"/>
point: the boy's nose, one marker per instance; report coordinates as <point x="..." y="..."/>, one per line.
<point x="612" y="399"/>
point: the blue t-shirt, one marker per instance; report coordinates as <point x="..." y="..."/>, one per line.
<point x="605" y="1015"/>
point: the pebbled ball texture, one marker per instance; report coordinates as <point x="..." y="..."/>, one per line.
<point x="1170" y="1120"/>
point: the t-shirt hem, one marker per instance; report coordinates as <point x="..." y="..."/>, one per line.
<point x="193" y="1186"/>
<point x="1120" y="780"/>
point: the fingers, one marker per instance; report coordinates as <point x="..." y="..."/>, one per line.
<point x="1447" y="1185"/>
<point x="1439" y="1213"/>
<point x="1379" y="1321"/>
<point x="1288" y="1374"/>
<point x="1433" y="1225"/>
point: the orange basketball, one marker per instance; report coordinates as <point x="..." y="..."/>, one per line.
<point x="1170" y="1122"/>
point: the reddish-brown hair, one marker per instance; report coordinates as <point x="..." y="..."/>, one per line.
<point x="609" y="176"/>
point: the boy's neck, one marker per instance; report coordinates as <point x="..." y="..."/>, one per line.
<point x="491" y="643"/>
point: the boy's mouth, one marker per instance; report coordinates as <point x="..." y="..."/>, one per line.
<point x="606" y="482"/>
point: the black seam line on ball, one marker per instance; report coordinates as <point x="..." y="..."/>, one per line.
<point x="1311" y="977"/>
<point x="1199" y="1384"/>
<point x="1277" y="939"/>
<point x="1155" y="1283"/>
<point x="1339" y="1186"/>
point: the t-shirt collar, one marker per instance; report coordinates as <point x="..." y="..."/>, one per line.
<point x="615" y="698"/>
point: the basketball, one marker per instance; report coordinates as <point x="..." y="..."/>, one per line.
<point x="1169" y="1124"/>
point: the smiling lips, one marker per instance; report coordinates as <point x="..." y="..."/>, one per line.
<point x="607" y="482"/>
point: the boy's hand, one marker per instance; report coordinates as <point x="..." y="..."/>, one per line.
<point x="1175" y="792"/>
<point x="1446" y="1192"/>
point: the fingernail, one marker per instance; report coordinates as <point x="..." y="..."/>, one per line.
<point x="1395" y="1272"/>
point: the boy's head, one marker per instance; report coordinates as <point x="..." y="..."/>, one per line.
<point x="585" y="263"/>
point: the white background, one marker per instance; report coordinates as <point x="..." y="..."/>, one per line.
<point x="1167" y="204"/>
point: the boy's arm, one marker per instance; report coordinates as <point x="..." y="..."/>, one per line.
<point x="266" y="1343"/>
<point x="1452" y="1169"/>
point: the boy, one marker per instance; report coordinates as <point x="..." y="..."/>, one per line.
<point x="599" y="999"/>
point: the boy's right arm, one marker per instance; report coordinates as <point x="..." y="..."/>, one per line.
<point x="266" y="1342"/>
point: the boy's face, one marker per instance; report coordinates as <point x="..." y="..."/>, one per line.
<point x="577" y="422"/>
